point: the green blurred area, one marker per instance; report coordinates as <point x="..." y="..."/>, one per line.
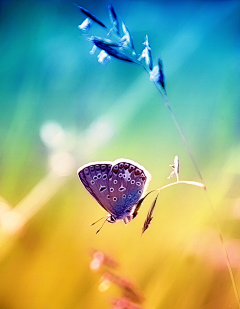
<point x="49" y="80"/>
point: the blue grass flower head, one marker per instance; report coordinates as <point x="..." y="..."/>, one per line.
<point x="121" y="45"/>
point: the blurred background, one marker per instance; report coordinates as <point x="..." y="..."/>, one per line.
<point x="60" y="109"/>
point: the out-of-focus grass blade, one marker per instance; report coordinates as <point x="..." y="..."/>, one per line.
<point x="149" y="215"/>
<point x="128" y="288"/>
<point x="90" y="15"/>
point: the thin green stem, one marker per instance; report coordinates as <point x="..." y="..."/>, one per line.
<point x="193" y="183"/>
<point x="166" y="102"/>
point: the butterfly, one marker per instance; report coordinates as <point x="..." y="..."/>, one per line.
<point x="117" y="186"/>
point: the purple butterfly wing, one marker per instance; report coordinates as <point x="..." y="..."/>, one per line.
<point x="94" y="177"/>
<point x="127" y="181"/>
<point x="116" y="186"/>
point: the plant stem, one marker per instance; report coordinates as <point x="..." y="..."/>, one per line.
<point x="194" y="183"/>
<point x="166" y="102"/>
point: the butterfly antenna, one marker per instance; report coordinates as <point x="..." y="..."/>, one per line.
<point x="101" y="226"/>
<point x="98" y="220"/>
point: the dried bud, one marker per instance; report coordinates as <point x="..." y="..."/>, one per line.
<point x="147" y="54"/>
<point x="104" y="45"/>
<point x="113" y="18"/>
<point x="175" y="168"/>
<point x="85" y="25"/>
<point x="103" y="57"/>
<point x="155" y="74"/>
<point x="161" y="75"/>
<point x="127" y="41"/>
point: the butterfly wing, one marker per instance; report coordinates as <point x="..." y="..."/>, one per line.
<point x="116" y="186"/>
<point x="127" y="182"/>
<point x="94" y="177"/>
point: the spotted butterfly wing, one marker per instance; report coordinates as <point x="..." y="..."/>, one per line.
<point x="117" y="186"/>
<point x="94" y="177"/>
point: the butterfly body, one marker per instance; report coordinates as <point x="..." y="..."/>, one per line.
<point x="117" y="186"/>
